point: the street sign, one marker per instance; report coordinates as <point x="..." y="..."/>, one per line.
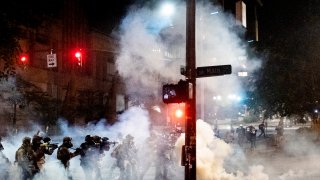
<point x="51" y="60"/>
<point x="208" y="71"/>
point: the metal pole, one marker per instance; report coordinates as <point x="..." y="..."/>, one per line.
<point x="190" y="137"/>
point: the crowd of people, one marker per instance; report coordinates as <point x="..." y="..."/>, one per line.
<point x="245" y="134"/>
<point x="249" y="134"/>
<point x="30" y="156"/>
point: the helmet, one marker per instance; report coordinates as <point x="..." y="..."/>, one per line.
<point x="26" y="140"/>
<point x="96" y="139"/>
<point x="105" y="139"/>
<point x="67" y="142"/>
<point x="88" y="138"/>
<point x="67" y="139"/>
<point x="36" y="139"/>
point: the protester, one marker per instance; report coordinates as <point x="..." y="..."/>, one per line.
<point x="262" y="130"/>
<point x="241" y="135"/>
<point x="253" y="136"/>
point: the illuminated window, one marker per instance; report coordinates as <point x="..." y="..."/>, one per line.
<point x="241" y="13"/>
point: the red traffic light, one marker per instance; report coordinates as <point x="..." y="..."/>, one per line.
<point x="78" y="54"/>
<point x="179" y="113"/>
<point x="24" y="58"/>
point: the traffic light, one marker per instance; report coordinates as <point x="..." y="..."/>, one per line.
<point x="169" y="93"/>
<point x="23" y="59"/>
<point x="179" y="113"/>
<point x="78" y="54"/>
<point x="175" y="93"/>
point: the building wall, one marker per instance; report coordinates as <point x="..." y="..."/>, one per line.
<point x="98" y="74"/>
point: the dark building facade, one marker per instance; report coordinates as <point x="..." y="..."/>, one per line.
<point x="55" y="83"/>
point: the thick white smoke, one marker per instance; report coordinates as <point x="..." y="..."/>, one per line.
<point x="144" y="39"/>
<point x="135" y="121"/>
<point x="147" y="46"/>
<point x="212" y="153"/>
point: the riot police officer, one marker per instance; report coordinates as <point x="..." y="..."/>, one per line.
<point x="63" y="153"/>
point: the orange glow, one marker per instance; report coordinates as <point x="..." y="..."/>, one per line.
<point x="179" y="113"/>
<point x="176" y="114"/>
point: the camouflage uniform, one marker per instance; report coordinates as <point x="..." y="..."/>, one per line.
<point x="63" y="153"/>
<point x="125" y="154"/>
<point x="24" y="159"/>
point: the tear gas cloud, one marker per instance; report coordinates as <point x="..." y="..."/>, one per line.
<point x="144" y="39"/>
<point x="135" y="121"/>
<point x="212" y="153"/>
<point x="147" y="46"/>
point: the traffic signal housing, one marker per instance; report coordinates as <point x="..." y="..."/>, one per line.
<point x="175" y="93"/>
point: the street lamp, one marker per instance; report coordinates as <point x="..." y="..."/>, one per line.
<point x="167" y="9"/>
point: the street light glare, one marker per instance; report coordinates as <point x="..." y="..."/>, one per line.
<point x="179" y="113"/>
<point x="167" y="9"/>
<point x="243" y="74"/>
<point x="215" y="12"/>
<point x="217" y="98"/>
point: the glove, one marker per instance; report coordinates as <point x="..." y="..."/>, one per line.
<point x="79" y="151"/>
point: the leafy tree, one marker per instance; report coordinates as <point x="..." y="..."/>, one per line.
<point x="288" y="83"/>
<point x="29" y="100"/>
<point x="10" y="94"/>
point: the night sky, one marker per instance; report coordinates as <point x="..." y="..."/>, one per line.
<point x="107" y="16"/>
<point x="277" y="18"/>
<point x="281" y="19"/>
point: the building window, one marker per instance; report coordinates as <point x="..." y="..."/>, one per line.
<point x="110" y="68"/>
<point x="241" y="13"/>
<point x="120" y="104"/>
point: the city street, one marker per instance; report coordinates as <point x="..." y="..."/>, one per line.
<point x="294" y="158"/>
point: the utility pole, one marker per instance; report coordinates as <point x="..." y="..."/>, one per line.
<point x="190" y="124"/>
<point x="185" y="91"/>
<point x="189" y="154"/>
